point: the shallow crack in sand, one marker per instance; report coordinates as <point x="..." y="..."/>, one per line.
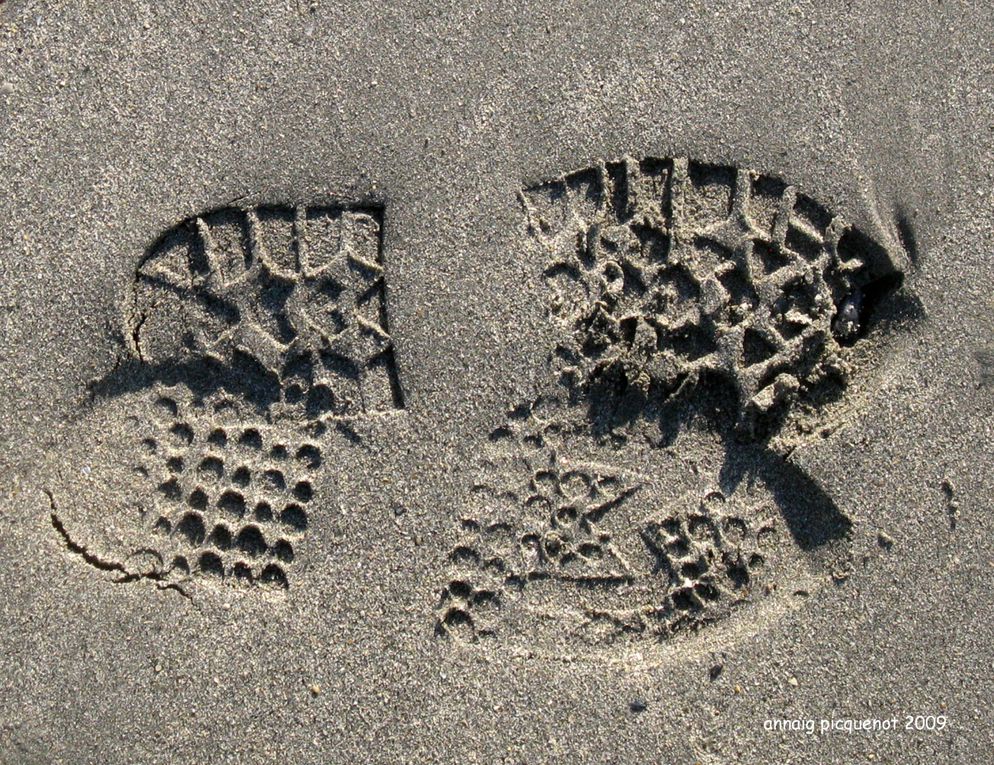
<point x="102" y="564"/>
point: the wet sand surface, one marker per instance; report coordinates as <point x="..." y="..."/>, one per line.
<point x="495" y="383"/>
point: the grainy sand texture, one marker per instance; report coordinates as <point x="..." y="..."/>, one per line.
<point x="498" y="383"/>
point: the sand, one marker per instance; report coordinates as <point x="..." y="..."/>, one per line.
<point x="495" y="383"/>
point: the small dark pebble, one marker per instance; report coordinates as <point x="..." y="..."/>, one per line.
<point x="638" y="705"/>
<point x="846" y="325"/>
<point x="715" y="672"/>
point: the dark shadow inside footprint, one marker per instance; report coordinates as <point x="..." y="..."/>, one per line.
<point x="811" y="516"/>
<point x="814" y="520"/>
<point x="243" y="378"/>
